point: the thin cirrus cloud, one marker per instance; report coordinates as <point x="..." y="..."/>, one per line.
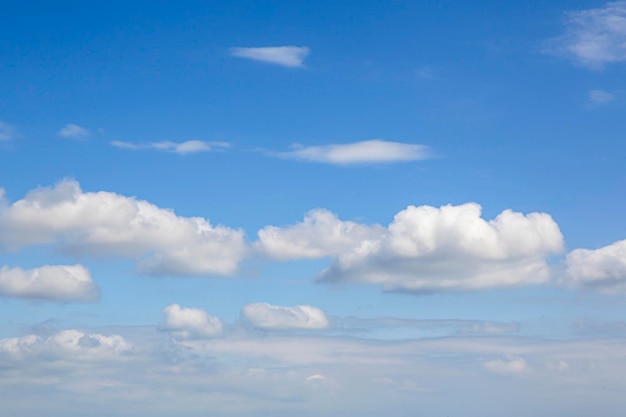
<point x="190" y="323"/>
<point x="364" y="152"/>
<point x="593" y="37"/>
<point x="286" y="56"/>
<point x="73" y="131"/>
<point x="272" y="317"/>
<point x="599" y="97"/>
<point x="61" y="283"/>
<point x="105" y="224"/>
<point x="426" y="249"/>
<point x="181" y="148"/>
<point x="7" y="132"/>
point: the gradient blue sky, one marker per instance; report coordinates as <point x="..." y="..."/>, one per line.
<point x="274" y="208"/>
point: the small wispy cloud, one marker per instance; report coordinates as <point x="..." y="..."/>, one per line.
<point x="364" y="152"/>
<point x="593" y="37"/>
<point x="7" y="132"/>
<point x="181" y="148"/>
<point x="598" y="97"/>
<point x="287" y="56"/>
<point x="73" y="131"/>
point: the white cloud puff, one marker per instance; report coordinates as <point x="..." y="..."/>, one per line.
<point x="286" y="56"/>
<point x="321" y="234"/>
<point x="594" y="37"/>
<point x="72" y="131"/>
<point x="73" y="344"/>
<point x="190" y="323"/>
<point x="427" y="248"/>
<point x="108" y="224"/>
<point x="603" y="268"/>
<point x="271" y="317"/>
<point x="54" y="283"/>
<point x="364" y="152"/>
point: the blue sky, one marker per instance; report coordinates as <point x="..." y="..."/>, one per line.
<point x="312" y="208"/>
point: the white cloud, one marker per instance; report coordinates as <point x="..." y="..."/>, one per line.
<point x="365" y="152"/>
<point x="425" y="248"/>
<point x="603" y="268"/>
<point x="453" y="248"/>
<point x="66" y="344"/>
<point x="108" y="224"/>
<point x="594" y="37"/>
<point x="54" y="283"/>
<point x="598" y="97"/>
<point x="182" y="148"/>
<point x="72" y="131"/>
<point x="512" y="366"/>
<point x="267" y="316"/>
<point x="287" y="56"/>
<point x="190" y="323"/>
<point x="321" y="234"/>
<point x="7" y="132"/>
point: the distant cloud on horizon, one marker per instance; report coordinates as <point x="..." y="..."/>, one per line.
<point x="286" y="56"/>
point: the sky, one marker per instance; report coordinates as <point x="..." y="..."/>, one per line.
<point x="283" y="208"/>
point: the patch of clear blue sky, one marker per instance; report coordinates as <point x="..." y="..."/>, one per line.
<point x="511" y="126"/>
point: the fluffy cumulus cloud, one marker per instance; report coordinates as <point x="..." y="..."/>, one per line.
<point x="66" y="344"/>
<point x="107" y="224"/>
<point x="72" y="131"/>
<point x="430" y="249"/>
<point x="181" y="148"/>
<point x="286" y="56"/>
<point x="190" y="323"/>
<point x="603" y="269"/>
<point x="594" y="37"/>
<point x="321" y="234"/>
<point x="54" y="283"/>
<point x="364" y="152"/>
<point x="271" y="317"/>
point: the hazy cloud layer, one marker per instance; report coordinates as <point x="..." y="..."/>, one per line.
<point x="146" y="373"/>
<point x="271" y="317"/>
<point x="365" y="152"/>
<point x="190" y="323"/>
<point x="287" y="56"/>
<point x="181" y="148"/>
<point x="53" y="283"/>
<point x="107" y="224"/>
<point x="594" y="37"/>
<point x="72" y="131"/>
<point x="603" y="269"/>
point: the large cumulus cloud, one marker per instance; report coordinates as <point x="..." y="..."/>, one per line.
<point x="108" y="224"/>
